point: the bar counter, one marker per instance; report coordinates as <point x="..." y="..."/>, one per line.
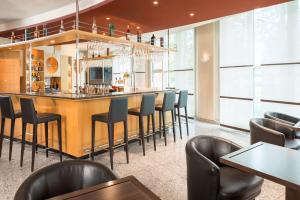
<point x="76" y="111"/>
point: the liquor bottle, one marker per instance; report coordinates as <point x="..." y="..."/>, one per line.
<point x="161" y="41"/>
<point x="62" y="28"/>
<point x="111" y="29"/>
<point x="94" y="26"/>
<point x="153" y="40"/>
<point x="36" y="33"/>
<point x="13" y="37"/>
<point x="45" y="30"/>
<point x="139" y="36"/>
<point x="27" y="34"/>
<point x="127" y="33"/>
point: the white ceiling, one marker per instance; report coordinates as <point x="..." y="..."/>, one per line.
<point x="11" y="10"/>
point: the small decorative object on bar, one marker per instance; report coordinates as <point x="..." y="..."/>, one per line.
<point x="139" y="36"/>
<point x="153" y="40"/>
<point x="127" y="33"/>
<point x="161" y="41"/>
<point x="62" y="28"/>
<point x="45" y="30"/>
<point x="111" y="29"/>
<point x="13" y="37"/>
<point x="94" y="26"/>
<point x="52" y="65"/>
<point x="36" y="33"/>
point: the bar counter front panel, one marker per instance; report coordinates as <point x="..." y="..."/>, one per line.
<point x="76" y="112"/>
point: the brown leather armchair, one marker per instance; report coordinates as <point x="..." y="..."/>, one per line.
<point x="291" y="121"/>
<point x="274" y="132"/>
<point x="208" y="179"/>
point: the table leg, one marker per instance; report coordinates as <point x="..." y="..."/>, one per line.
<point x="292" y="194"/>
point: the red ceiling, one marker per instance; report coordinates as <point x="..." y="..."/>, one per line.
<point x="167" y="14"/>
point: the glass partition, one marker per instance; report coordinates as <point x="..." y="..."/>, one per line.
<point x="259" y="63"/>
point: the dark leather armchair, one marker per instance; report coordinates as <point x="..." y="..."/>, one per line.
<point x="209" y="179"/>
<point x="63" y="178"/>
<point x="274" y="132"/>
<point x="290" y="121"/>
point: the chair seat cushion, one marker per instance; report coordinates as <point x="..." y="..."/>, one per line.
<point x="134" y="111"/>
<point x="100" y="117"/>
<point x="292" y="143"/>
<point x="47" y="117"/>
<point x="235" y="184"/>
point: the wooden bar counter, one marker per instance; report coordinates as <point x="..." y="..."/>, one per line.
<point x="76" y="112"/>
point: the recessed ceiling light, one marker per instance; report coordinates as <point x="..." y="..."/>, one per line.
<point x="52" y="41"/>
<point x="138" y="27"/>
<point x="192" y="14"/>
<point x="155" y="2"/>
<point x="107" y="18"/>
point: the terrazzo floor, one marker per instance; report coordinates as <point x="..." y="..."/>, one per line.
<point x="163" y="171"/>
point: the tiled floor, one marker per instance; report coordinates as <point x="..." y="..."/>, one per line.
<point x="163" y="171"/>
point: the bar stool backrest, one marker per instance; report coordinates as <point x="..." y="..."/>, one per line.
<point x="168" y="102"/>
<point x="7" y="109"/>
<point x="28" y="111"/>
<point x="148" y="104"/>
<point x="183" y="97"/>
<point x="118" y="109"/>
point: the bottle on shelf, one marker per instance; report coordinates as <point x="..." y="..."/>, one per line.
<point x="139" y="36"/>
<point x="27" y="34"/>
<point x="161" y="41"/>
<point x="36" y="33"/>
<point x="111" y="29"/>
<point x="127" y="33"/>
<point x="94" y="26"/>
<point x="13" y="37"/>
<point x="45" y="30"/>
<point x="153" y="40"/>
<point x="61" y="28"/>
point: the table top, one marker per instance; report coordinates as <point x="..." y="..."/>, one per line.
<point x="127" y="188"/>
<point x="276" y="163"/>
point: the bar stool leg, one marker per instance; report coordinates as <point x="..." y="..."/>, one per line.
<point x="111" y="143"/>
<point x="187" y="121"/>
<point x="179" y="120"/>
<point x="173" y="124"/>
<point x="126" y="140"/>
<point x="2" y="134"/>
<point x="159" y="115"/>
<point x="141" y="123"/>
<point x="175" y="115"/>
<point x="34" y="140"/>
<point x="24" y="125"/>
<point x="12" y="129"/>
<point x="148" y="127"/>
<point x="153" y="130"/>
<point x="93" y="139"/>
<point x="164" y="127"/>
<point x="59" y="138"/>
<point x="46" y="138"/>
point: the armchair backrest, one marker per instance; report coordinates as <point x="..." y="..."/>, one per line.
<point x="291" y="120"/>
<point x="267" y="130"/>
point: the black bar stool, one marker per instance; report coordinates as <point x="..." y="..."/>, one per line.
<point x="118" y="112"/>
<point x="168" y="105"/>
<point x="7" y="111"/>
<point x="147" y="109"/>
<point x="182" y="103"/>
<point x="30" y="116"/>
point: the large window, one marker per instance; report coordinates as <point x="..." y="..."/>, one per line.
<point x="259" y="63"/>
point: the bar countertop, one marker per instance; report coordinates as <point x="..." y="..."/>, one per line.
<point x="74" y="96"/>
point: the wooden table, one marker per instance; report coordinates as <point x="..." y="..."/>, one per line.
<point x="128" y="188"/>
<point x="276" y="163"/>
